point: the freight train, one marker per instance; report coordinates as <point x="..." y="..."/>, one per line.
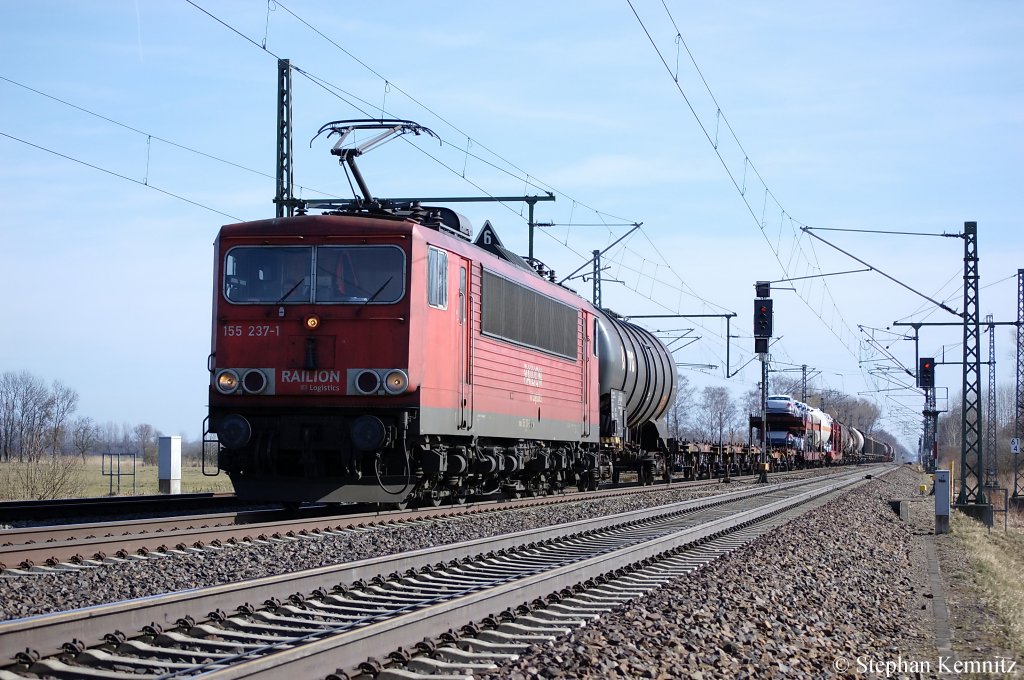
<point x="378" y="353"/>
<point x="799" y="435"/>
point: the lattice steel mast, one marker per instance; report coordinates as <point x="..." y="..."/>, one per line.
<point x="972" y="461"/>
<point x="285" y="172"/>
<point x="991" y="445"/>
<point x="928" y="457"/>
<point x="1018" y="482"/>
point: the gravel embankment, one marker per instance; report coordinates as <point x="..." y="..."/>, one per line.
<point x="822" y="597"/>
<point x="22" y="596"/>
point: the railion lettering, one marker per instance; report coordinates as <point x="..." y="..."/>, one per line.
<point x="318" y="377"/>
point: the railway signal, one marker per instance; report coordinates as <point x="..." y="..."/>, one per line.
<point x="763" y="318"/>
<point x="926" y="372"/>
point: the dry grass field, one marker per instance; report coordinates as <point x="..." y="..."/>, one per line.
<point x="71" y="478"/>
<point x="996" y="562"/>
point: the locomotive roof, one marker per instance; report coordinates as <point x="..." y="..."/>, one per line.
<point x="312" y="225"/>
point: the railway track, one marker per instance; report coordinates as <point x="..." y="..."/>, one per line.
<point x="70" y="546"/>
<point x="69" y="508"/>
<point x="524" y="587"/>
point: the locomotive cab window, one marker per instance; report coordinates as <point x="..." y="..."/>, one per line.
<point x="437" y="278"/>
<point x="268" y="274"/>
<point x="325" y="274"/>
<point x="360" y="274"/>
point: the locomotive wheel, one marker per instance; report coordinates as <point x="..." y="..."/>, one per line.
<point x="400" y="505"/>
<point x="511" y="491"/>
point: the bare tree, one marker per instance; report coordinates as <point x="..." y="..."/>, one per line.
<point x="751" y="400"/>
<point x="678" y="414"/>
<point x="781" y="384"/>
<point x="33" y="422"/>
<point x="85" y="436"/>
<point x="191" y="450"/>
<point x="864" y="416"/>
<point x="117" y="438"/>
<point x="27" y="408"/>
<point x="144" y="437"/>
<point x="1006" y="404"/>
<point x="8" y="444"/>
<point x="949" y="434"/>
<point x="65" y="403"/>
<point x="716" y="415"/>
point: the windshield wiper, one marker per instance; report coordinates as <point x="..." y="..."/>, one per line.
<point x="290" y="290"/>
<point x="374" y="296"/>
<point x="379" y="291"/>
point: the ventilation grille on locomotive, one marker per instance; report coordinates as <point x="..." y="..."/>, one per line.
<point x="517" y="314"/>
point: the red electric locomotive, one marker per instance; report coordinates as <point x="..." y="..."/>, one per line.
<point x="376" y="354"/>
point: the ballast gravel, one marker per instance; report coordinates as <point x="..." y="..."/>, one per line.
<point x="40" y="593"/>
<point x="839" y="592"/>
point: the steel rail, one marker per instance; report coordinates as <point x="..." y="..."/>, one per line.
<point x="347" y="650"/>
<point x="49" y="545"/>
<point x="76" y="543"/>
<point x="47" y="634"/>
<point x="12" y="511"/>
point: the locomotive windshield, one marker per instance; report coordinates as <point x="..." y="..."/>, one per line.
<point x="360" y="274"/>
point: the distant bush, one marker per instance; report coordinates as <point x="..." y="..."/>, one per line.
<point x="42" y="478"/>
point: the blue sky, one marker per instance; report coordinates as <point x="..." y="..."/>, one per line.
<point x="889" y="116"/>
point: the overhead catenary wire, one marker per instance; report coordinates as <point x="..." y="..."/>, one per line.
<point x="742" y="188"/>
<point x="151" y="136"/>
<point x="335" y="90"/>
<point x="120" y="176"/>
<point x="528" y="179"/>
<point x="955" y="295"/>
<point x="747" y="163"/>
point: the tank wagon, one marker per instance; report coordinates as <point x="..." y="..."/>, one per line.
<point x="377" y="353"/>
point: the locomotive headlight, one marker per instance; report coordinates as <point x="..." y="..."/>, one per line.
<point x="254" y="381"/>
<point x="312" y="322"/>
<point x="396" y="381"/>
<point x="227" y="381"/>
<point x="367" y="382"/>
